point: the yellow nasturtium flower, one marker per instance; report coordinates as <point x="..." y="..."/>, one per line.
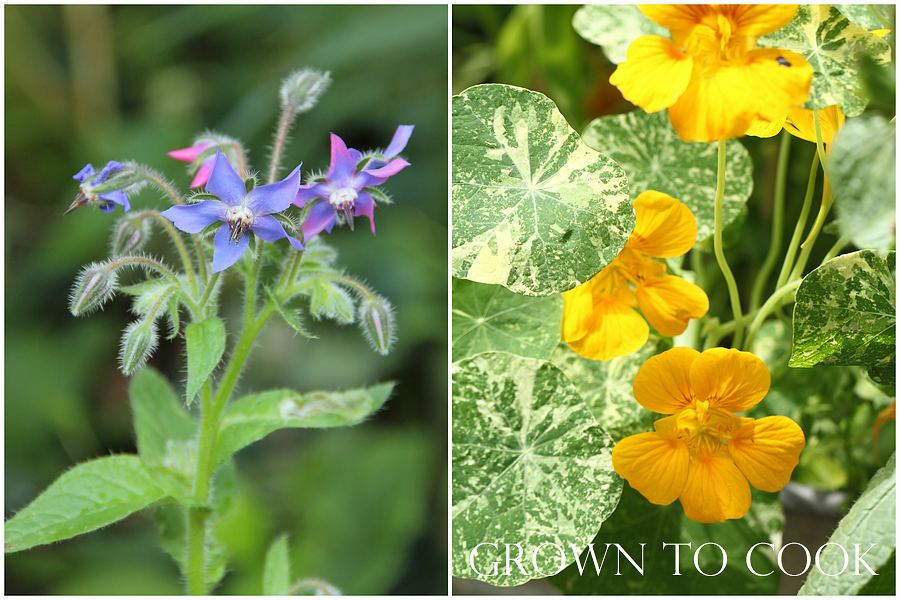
<point x="599" y="319"/>
<point x="702" y="453"/>
<point x="799" y="123"/>
<point x="710" y="75"/>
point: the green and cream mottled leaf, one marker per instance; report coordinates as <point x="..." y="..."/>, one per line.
<point x="490" y="317"/>
<point x="253" y="417"/>
<point x="606" y="386"/>
<point x="845" y="312"/>
<point x="530" y="465"/>
<point x="862" y="174"/>
<point x="860" y="14"/>
<point x="89" y="496"/>
<point x="832" y="45"/>
<point x="534" y="209"/>
<point x="654" y="158"/>
<point x="871" y="520"/>
<point x="613" y="27"/>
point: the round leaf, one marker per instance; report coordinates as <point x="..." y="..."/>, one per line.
<point x="654" y="158"/>
<point x="534" y="209"/>
<point x="613" y="27"/>
<point x="530" y="467"/>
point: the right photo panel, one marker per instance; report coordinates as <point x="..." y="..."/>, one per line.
<point x="673" y="300"/>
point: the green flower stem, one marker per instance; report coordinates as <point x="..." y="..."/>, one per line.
<point x="835" y="249"/>
<point x="156" y="179"/>
<point x="288" y="112"/>
<point x="700" y="279"/>
<point x="774" y="301"/>
<point x="807" y="246"/>
<point x="765" y="271"/>
<point x="178" y="240"/>
<point x="720" y="254"/>
<point x="252" y="282"/>
<point x="788" y="264"/>
<point x="201" y="257"/>
<point x="207" y="292"/>
<point x="289" y="275"/>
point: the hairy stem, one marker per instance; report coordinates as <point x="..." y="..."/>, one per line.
<point x="765" y="270"/>
<point x="178" y="240"/>
<point x="156" y="179"/>
<point x="719" y="251"/>
<point x="794" y="244"/>
<point x="281" y="136"/>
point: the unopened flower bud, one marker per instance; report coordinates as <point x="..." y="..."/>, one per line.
<point x="129" y="236"/>
<point x="376" y="319"/>
<point x="138" y="342"/>
<point x="95" y="284"/>
<point x="302" y="89"/>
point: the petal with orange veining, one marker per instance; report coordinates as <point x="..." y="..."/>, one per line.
<point x="663" y="382"/>
<point x="767" y="450"/>
<point x="654" y="74"/>
<point x="655" y="464"/>
<point x="730" y="379"/>
<point x="669" y="302"/>
<point x="664" y="227"/>
<point x="715" y="489"/>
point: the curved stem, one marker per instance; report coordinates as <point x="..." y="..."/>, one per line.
<point x="281" y="135"/>
<point x="289" y="275"/>
<point x="160" y="182"/>
<point x="835" y="249"/>
<point x="210" y="285"/>
<point x="719" y="251"/>
<point x="770" y="305"/>
<point x="807" y="246"/>
<point x="788" y="263"/>
<point x="143" y="261"/>
<point x="777" y="222"/>
<point x="176" y="238"/>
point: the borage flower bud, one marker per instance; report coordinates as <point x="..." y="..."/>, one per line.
<point x="108" y="188"/>
<point x="129" y="236"/>
<point x="376" y="319"/>
<point x="202" y="155"/>
<point x="138" y="342"/>
<point x="95" y="284"/>
<point x="301" y="90"/>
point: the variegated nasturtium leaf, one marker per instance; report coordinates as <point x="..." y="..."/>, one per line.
<point x="861" y="171"/>
<point x="846" y="311"/>
<point x="491" y="318"/>
<point x="613" y="27"/>
<point x="862" y="15"/>
<point x="832" y="45"/>
<point x="534" y="209"/>
<point x="531" y="467"/>
<point x="606" y="386"/>
<point x="655" y="158"/>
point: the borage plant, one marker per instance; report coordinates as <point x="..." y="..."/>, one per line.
<point x="576" y="316"/>
<point x="235" y="224"/>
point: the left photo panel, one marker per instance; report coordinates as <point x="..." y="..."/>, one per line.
<point x="226" y="300"/>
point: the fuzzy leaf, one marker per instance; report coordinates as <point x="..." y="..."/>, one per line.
<point x="871" y="520"/>
<point x="530" y="465"/>
<point x="89" y="496"/>
<point x="861" y="170"/>
<point x="846" y="312"/>
<point x="490" y="317"/>
<point x="290" y="316"/>
<point x="277" y="569"/>
<point x="327" y="299"/>
<point x="833" y="46"/>
<point x="534" y="209"/>
<point x="253" y="417"/>
<point x="205" y="342"/>
<point x="654" y="158"/>
<point x="613" y="27"/>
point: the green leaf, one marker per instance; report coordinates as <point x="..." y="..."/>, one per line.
<point x="327" y="299"/>
<point x="860" y="14"/>
<point x="613" y="27"/>
<point x="845" y="312"/>
<point x="490" y="317"/>
<point x="165" y="432"/>
<point x="832" y="45"/>
<point x="871" y="520"/>
<point x="654" y="158"/>
<point x="637" y="521"/>
<point x="530" y="465"/>
<point x="277" y="569"/>
<point x="861" y="171"/>
<point x="606" y="386"/>
<point x="205" y="346"/>
<point x="253" y="417"/>
<point x="89" y="496"/>
<point x="534" y="209"/>
<point x="290" y="316"/>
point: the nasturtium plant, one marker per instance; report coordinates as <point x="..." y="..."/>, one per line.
<point x="531" y="466"/>
<point x="267" y="233"/>
<point x="534" y="208"/>
<point x="613" y="27"/>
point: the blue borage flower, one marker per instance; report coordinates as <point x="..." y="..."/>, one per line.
<point x="89" y="179"/>
<point x="239" y="211"/>
<point x="344" y="189"/>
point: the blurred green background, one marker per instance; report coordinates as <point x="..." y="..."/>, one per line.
<point x="365" y="508"/>
<point x="536" y="47"/>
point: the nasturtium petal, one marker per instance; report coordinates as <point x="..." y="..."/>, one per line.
<point x="862" y="174"/>
<point x="655" y="464"/>
<point x="655" y="73"/>
<point x="534" y="208"/>
<point x="663" y="383"/>
<point x="613" y="27"/>
<point x="654" y="158"/>
<point x="715" y="489"/>
<point x="730" y="379"/>
<point x="664" y="227"/>
<point x="767" y="450"/>
<point x="616" y="330"/>
<point x="846" y="312"/>
<point x="669" y="302"/>
<point x="530" y="465"/>
<point x="759" y="19"/>
<point x="800" y="122"/>
<point x="491" y="318"/>
<point x="832" y="45"/>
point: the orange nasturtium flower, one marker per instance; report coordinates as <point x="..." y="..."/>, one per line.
<point x="710" y="75"/>
<point x="599" y="319"/>
<point x="799" y="123"/>
<point x="702" y="453"/>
